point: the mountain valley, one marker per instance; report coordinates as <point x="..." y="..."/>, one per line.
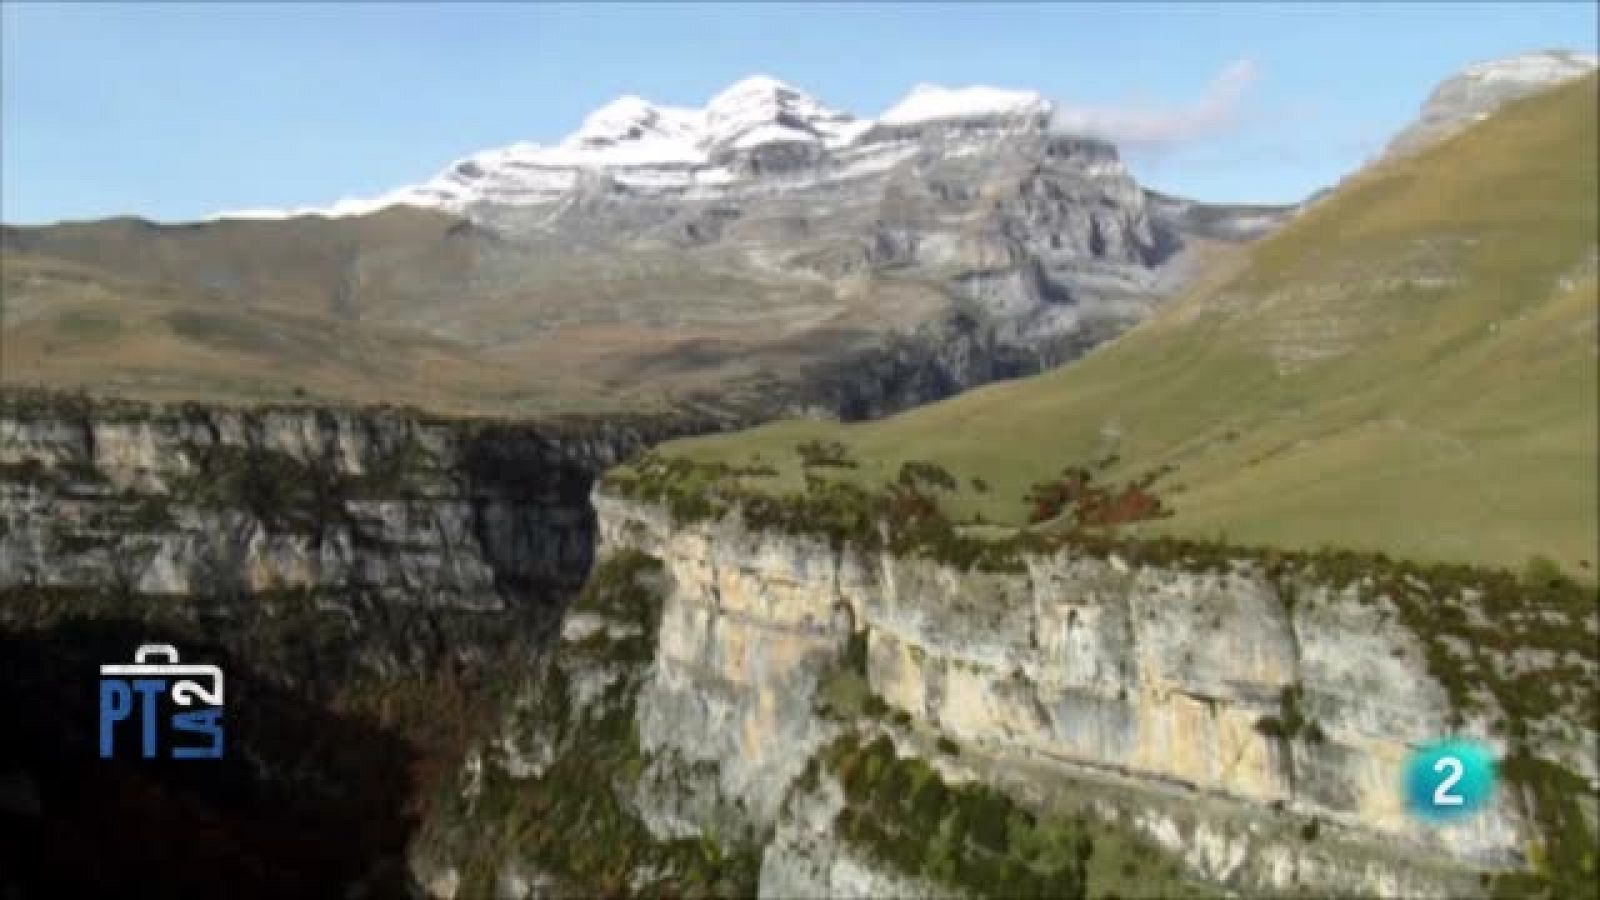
<point x="839" y="268"/>
<point x="758" y="500"/>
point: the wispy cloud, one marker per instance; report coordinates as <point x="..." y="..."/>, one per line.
<point x="1152" y="127"/>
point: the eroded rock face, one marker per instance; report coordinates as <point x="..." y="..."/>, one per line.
<point x="1148" y="688"/>
<point x="359" y="575"/>
<point x="766" y="256"/>
<point x="180" y="501"/>
<point x="555" y="800"/>
<point x="806" y="857"/>
<point x="1474" y="93"/>
<point x="690" y="710"/>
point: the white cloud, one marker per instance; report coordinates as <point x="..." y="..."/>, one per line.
<point x="1216" y="111"/>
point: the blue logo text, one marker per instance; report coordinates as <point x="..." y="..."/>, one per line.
<point x="138" y="692"/>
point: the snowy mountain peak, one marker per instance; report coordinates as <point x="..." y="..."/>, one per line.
<point x="932" y="102"/>
<point x="762" y="109"/>
<point x="631" y="118"/>
<point x="646" y="146"/>
<point x="1539" y="68"/>
<point x="758" y="89"/>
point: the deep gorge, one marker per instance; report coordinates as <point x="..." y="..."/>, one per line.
<point x="433" y="694"/>
<point x="362" y="575"/>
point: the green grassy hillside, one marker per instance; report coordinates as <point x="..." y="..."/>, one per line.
<point x="413" y="306"/>
<point x="1409" y="367"/>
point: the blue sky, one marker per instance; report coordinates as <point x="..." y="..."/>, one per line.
<point x="177" y="111"/>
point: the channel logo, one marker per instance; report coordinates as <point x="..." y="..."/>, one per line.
<point x="1449" y="780"/>
<point x="158" y="694"/>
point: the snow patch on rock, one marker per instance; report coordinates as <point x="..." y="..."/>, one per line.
<point x="929" y="103"/>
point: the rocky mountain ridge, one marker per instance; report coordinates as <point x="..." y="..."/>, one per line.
<point x="1474" y="93"/>
<point x="753" y="130"/>
<point x="750" y="256"/>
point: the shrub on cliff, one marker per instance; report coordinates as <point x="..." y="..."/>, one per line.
<point x="818" y="453"/>
<point x="969" y="836"/>
<point x="915" y="472"/>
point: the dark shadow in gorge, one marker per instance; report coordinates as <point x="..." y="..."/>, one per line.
<point x="346" y="705"/>
<point x="305" y="803"/>
<point x="530" y="512"/>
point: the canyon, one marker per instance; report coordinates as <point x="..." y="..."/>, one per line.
<point x="360" y="574"/>
<point x="1135" y="694"/>
<point x="340" y="556"/>
<point x="478" y="646"/>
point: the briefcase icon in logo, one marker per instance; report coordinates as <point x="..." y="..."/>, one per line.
<point x="156" y="674"/>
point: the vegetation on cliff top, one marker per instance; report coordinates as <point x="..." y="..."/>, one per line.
<point x="31" y="404"/>
<point x="907" y="516"/>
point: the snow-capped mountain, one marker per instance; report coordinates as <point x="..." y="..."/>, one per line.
<point x="755" y="128"/>
<point x="764" y="253"/>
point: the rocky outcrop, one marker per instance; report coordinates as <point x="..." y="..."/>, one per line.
<point x="549" y="803"/>
<point x="1474" y="93"/>
<point x="1225" y="715"/>
<point x="183" y="501"/>
<point x="362" y="577"/>
<point x="808" y="858"/>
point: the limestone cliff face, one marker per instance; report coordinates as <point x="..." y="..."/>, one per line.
<point x="1153" y="691"/>
<point x="549" y="802"/>
<point x="1252" y="726"/>
<point x="183" y="501"/>
<point x="359" y="574"/>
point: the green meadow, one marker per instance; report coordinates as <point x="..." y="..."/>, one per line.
<point x="1408" y="367"/>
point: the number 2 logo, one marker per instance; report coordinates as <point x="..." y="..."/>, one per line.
<point x="1441" y="794"/>
<point x="1449" y="780"/>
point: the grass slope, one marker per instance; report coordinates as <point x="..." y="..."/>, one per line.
<point x="1409" y="367"/>
<point x="416" y="307"/>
